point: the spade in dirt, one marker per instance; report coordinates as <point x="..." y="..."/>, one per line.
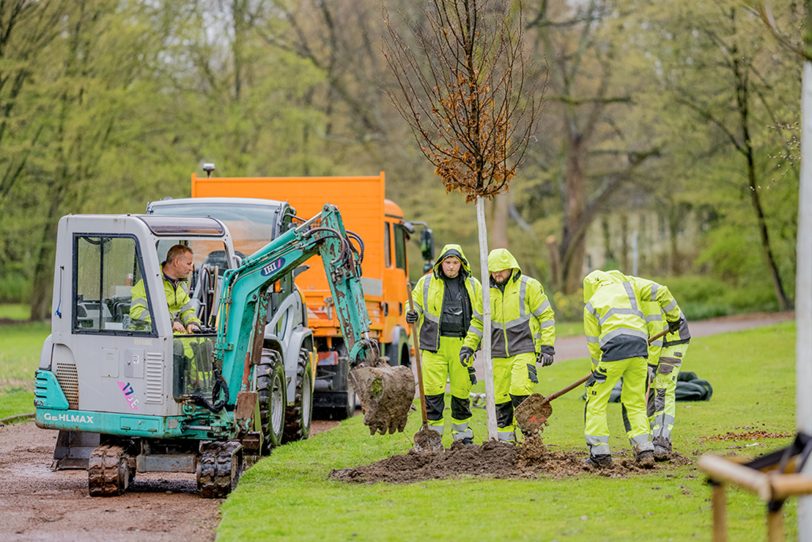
<point x="386" y="393"/>
<point x="425" y="439"/>
<point x="534" y="411"/>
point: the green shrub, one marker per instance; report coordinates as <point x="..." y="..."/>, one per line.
<point x="14" y="289"/>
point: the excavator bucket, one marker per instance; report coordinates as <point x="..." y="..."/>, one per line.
<point x="386" y="395"/>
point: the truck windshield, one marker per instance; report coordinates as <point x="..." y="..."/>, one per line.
<point x="251" y="226"/>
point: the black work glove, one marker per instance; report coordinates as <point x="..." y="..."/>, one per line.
<point x="674" y="325"/>
<point x="466" y="356"/>
<point x="546" y="356"/>
<point x="411" y="317"/>
<point x="472" y="374"/>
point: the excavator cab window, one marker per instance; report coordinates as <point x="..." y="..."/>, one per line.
<point x="109" y="293"/>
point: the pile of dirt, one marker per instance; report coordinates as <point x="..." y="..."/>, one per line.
<point x="530" y="459"/>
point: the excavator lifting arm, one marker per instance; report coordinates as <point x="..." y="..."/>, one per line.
<point x="244" y="300"/>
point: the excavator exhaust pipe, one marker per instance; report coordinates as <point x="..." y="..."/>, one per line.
<point x="386" y="395"/>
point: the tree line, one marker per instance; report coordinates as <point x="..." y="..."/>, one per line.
<point x="682" y="114"/>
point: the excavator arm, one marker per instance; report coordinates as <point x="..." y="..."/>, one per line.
<point x="386" y="392"/>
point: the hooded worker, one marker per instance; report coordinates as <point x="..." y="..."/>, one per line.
<point x="617" y="338"/>
<point x="665" y="356"/>
<point x="448" y="306"/>
<point x="523" y="334"/>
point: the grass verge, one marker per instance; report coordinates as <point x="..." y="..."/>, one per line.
<point x="288" y="495"/>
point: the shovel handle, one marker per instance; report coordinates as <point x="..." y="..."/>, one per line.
<point x="417" y="361"/>
<point x="568" y="389"/>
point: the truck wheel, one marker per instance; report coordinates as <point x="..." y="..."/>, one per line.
<point x="271" y="391"/>
<point x="298" y="416"/>
<point x="348" y="410"/>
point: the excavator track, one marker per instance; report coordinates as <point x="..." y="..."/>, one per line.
<point x="219" y="469"/>
<point x="108" y="471"/>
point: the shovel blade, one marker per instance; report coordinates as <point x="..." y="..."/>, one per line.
<point x="427" y="440"/>
<point x="533" y="413"/>
<point x="386" y="395"/>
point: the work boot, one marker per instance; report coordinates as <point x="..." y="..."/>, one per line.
<point x="602" y="461"/>
<point x="645" y="459"/>
<point x="662" y="449"/>
<point x="468" y="441"/>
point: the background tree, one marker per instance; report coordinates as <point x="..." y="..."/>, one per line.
<point x="461" y="92"/>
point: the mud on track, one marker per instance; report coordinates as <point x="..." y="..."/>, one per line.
<point x="40" y="505"/>
<point x="491" y="460"/>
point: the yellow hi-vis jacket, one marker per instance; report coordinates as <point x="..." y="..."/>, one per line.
<point x="614" y="321"/>
<point x="177" y="298"/>
<point x="428" y="296"/>
<point x="653" y="313"/>
<point x="522" y="318"/>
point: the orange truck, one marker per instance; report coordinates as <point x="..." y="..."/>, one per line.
<point x="383" y="233"/>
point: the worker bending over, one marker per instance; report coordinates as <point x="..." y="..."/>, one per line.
<point x="617" y="338"/>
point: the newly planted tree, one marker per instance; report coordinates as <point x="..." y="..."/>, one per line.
<point x="463" y="90"/>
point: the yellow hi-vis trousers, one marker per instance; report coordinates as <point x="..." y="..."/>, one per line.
<point x="438" y="367"/>
<point x="604" y="377"/>
<point x="512" y="377"/>
<point x="662" y="407"/>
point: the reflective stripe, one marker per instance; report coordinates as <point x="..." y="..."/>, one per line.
<point x="594" y="361"/>
<point x="522" y="297"/>
<point x="599" y="450"/>
<point x="671" y="306"/>
<point x="623" y="331"/>
<point x="630" y="292"/>
<point x="513" y="323"/>
<point x="616" y="310"/>
<point x="592" y="440"/>
<point x="461" y="431"/>
<point x="642" y="443"/>
<point x="592" y="339"/>
<point x="505" y="436"/>
<point x="658" y="342"/>
<point x="436" y="428"/>
<point x="476" y="315"/>
<point x="547" y="323"/>
<point x="590" y="309"/>
<point x="475" y="331"/>
<point x="426" y="314"/>
<point x="654" y="318"/>
<point x="139" y="301"/>
<point x="654" y="288"/>
<point x="544" y="307"/>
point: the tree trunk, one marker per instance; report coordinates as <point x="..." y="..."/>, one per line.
<point x="624" y="243"/>
<point x="486" y="317"/>
<point x="43" y="281"/>
<point x="572" y="241"/>
<point x="766" y="249"/>
<point x="499" y="234"/>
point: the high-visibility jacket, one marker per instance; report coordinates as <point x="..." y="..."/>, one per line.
<point x="177" y="298"/>
<point x="614" y="319"/>
<point x="428" y="297"/>
<point x="521" y="315"/>
<point x="653" y="313"/>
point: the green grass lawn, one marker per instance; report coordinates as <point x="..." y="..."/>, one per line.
<point x="288" y="495"/>
<point x="20" y="346"/>
<point x="15" y="311"/>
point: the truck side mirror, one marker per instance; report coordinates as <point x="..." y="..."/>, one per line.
<point x="427" y="244"/>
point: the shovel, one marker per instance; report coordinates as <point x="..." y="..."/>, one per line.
<point x="534" y="411"/>
<point x="425" y="439"/>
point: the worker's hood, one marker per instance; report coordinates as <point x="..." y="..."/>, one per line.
<point x="451" y="250"/>
<point x="596" y="279"/>
<point x="500" y="259"/>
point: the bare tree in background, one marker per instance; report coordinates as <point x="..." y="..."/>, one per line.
<point x="463" y="93"/>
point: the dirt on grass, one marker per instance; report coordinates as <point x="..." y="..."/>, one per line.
<point x="747" y="435"/>
<point x="528" y="460"/>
